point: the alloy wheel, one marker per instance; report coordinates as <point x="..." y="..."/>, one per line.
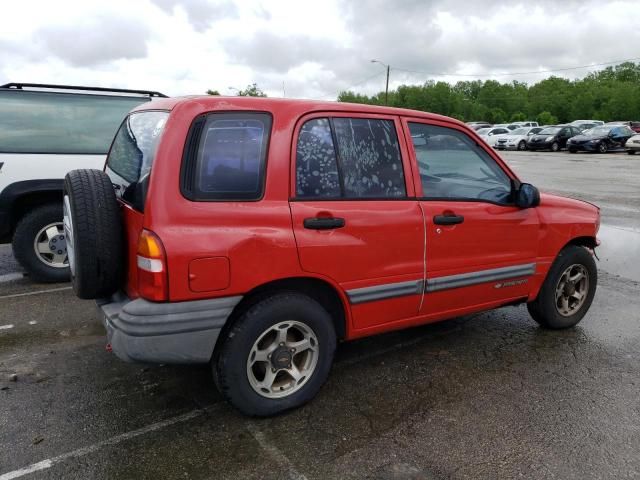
<point x="572" y="290"/>
<point x="282" y="359"/>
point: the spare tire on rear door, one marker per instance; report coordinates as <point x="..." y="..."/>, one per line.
<point x="93" y="228"/>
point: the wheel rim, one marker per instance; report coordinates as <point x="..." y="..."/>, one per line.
<point x="50" y="246"/>
<point x="68" y="232"/>
<point x="602" y="148"/>
<point x="572" y="289"/>
<point x="555" y="147"/>
<point x="522" y="145"/>
<point x="283" y="359"/>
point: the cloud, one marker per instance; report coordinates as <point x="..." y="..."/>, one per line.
<point x="201" y="13"/>
<point x="96" y="41"/>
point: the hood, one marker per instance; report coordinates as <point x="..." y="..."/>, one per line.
<point x="567" y="202"/>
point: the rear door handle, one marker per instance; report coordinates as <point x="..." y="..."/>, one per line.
<point x="448" y="219"/>
<point x="323" y="223"/>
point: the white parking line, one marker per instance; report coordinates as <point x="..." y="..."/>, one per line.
<point x="10" y="277"/>
<point x="38" y="292"/>
<point x="5" y="327"/>
<point x="273" y="451"/>
<point x="81" y="452"/>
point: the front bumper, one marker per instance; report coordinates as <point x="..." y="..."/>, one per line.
<point x="176" y="332"/>
<point x="584" y="147"/>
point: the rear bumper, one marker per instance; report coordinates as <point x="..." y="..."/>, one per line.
<point x="178" y="332"/>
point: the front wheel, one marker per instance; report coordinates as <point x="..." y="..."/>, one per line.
<point x="522" y="145"/>
<point x="631" y="152"/>
<point x="555" y="146"/>
<point x="276" y="356"/>
<point x="568" y="290"/>
<point x="602" y="148"/>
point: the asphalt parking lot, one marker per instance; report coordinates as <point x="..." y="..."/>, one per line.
<point x="486" y="396"/>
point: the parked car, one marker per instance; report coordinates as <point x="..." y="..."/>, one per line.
<point x="487" y="133"/>
<point x="516" y="140"/>
<point x="253" y="234"/>
<point x="478" y="125"/>
<point x="516" y="125"/>
<point x="632" y="145"/>
<point x="577" y="123"/>
<point x="586" y="126"/>
<point x="635" y="126"/>
<point x="601" y="139"/>
<point x="46" y="131"/>
<point x="552" y="138"/>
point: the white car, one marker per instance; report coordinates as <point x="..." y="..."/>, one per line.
<point x="633" y="145"/>
<point x="46" y="131"/>
<point x="516" y="140"/>
<point x="487" y="134"/>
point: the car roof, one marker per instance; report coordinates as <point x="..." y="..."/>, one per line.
<point x="291" y="106"/>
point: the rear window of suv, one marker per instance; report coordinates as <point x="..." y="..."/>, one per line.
<point x="132" y="153"/>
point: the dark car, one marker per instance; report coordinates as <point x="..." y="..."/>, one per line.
<point x="552" y="138"/>
<point x="601" y="139"/>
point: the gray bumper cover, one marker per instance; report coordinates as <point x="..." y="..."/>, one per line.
<point x="178" y="332"/>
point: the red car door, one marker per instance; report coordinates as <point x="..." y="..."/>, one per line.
<point x="480" y="248"/>
<point x="355" y="216"/>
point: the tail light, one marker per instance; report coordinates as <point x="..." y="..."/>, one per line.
<point x="153" y="282"/>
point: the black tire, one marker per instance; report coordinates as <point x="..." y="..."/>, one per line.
<point x="555" y="147"/>
<point x="39" y="267"/>
<point x="631" y="152"/>
<point x="522" y="145"/>
<point x="543" y="309"/>
<point x="573" y="150"/>
<point x="602" y="148"/>
<point x="230" y="363"/>
<point x="96" y="247"/>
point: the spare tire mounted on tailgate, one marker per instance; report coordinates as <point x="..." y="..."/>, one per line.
<point x="93" y="228"/>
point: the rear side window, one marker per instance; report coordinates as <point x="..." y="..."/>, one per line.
<point x="225" y="157"/>
<point x="60" y="123"/>
<point x="132" y="153"/>
<point x="349" y="158"/>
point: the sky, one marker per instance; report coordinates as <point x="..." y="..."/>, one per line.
<point x="307" y="49"/>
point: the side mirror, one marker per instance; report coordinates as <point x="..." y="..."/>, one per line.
<point x="527" y="196"/>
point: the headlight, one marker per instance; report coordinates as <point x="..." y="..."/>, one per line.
<point x="593" y="141"/>
<point x="549" y="139"/>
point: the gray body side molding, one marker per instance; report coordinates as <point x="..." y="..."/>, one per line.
<point x="415" y="287"/>
<point x="177" y="332"/>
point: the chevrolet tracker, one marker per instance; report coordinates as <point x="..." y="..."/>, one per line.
<point x="254" y="234"/>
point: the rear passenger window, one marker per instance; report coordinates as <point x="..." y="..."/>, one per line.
<point x="349" y="158"/>
<point x="226" y="156"/>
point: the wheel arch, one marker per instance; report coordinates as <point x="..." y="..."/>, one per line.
<point x="584" y="241"/>
<point x="325" y="293"/>
<point x="20" y="197"/>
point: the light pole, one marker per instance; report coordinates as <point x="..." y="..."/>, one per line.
<point x="386" y="90"/>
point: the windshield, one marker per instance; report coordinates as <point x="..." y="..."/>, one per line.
<point x="483" y="131"/>
<point x="597" y="131"/>
<point x="549" y="131"/>
<point x="520" y="131"/>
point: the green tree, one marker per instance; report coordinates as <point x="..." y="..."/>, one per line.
<point x="252" y="90"/>
<point x="213" y="92"/>
<point x="546" y="118"/>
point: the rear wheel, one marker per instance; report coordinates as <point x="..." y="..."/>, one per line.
<point x="568" y="290"/>
<point x="277" y="355"/>
<point x="93" y="229"/>
<point x="39" y="244"/>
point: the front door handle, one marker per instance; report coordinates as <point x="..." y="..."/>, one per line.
<point x="323" y="223"/>
<point x="448" y="219"/>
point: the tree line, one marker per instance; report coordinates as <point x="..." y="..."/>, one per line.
<point x="608" y="95"/>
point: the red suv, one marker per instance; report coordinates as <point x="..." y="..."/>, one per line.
<point x="254" y="234"/>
